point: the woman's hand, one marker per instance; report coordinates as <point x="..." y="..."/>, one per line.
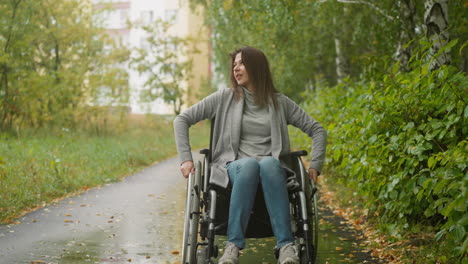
<point x="186" y="168"/>
<point x="313" y="174"/>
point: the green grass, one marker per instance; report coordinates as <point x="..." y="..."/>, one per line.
<point x="37" y="168"/>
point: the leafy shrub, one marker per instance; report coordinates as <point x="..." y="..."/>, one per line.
<point x="400" y="141"/>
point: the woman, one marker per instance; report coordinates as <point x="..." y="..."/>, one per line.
<point x="249" y="135"/>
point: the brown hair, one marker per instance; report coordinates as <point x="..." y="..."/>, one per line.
<point x="258" y="69"/>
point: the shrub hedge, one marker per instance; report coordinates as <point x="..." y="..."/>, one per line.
<point x="399" y="141"/>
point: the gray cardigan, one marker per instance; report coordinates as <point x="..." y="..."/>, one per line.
<point x="227" y="127"/>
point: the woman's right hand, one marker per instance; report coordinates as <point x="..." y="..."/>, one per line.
<point x="186" y="168"/>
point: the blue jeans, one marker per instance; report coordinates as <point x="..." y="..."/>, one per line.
<point x="245" y="175"/>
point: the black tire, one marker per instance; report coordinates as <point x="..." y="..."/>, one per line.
<point x="192" y="217"/>
<point x="309" y="248"/>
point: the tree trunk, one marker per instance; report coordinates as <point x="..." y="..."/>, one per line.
<point x="436" y="21"/>
<point x="7" y="100"/>
<point x="407" y="34"/>
<point x="57" y="61"/>
<point x="342" y="66"/>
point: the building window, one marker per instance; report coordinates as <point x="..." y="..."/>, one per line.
<point x="147" y="17"/>
<point x="171" y="15"/>
<point x="123" y="18"/>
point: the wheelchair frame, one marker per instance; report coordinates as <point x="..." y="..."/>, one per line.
<point x="200" y="214"/>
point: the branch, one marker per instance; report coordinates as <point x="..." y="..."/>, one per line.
<point x="369" y="4"/>
<point x="365" y="3"/>
<point x="10" y="27"/>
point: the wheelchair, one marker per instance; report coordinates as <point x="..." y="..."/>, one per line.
<point x="207" y="210"/>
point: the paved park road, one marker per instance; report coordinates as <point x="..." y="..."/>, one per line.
<point x="140" y="220"/>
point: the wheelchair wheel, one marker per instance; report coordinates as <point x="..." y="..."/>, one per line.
<point x="309" y="248"/>
<point x="306" y="213"/>
<point x="192" y="217"/>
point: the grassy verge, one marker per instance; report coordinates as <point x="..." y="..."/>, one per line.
<point x="42" y="166"/>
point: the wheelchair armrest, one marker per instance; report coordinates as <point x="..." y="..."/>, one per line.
<point x="205" y="152"/>
<point x="299" y="153"/>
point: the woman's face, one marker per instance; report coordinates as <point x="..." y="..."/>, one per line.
<point x="240" y="73"/>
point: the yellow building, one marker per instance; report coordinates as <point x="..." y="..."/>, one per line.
<point x="190" y="23"/>
<point x="187" y="23"/>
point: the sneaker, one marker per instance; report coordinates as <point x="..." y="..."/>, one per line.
<point x="288" y="254"/>
<point x="231" y="254"/>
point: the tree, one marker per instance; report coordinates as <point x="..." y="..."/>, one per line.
<point x="437" y="30"/>
<point x="51" y="52"/>
<point x="310" y="43"/>
<point x="12" y="43"/>
<point x="408" y="19"/>
<point x="165" y="63"/>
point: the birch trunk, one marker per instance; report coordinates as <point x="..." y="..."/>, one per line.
<point x="436" y="20"/>
<point x="408" y="25"/>
<point x="342" y="66"/>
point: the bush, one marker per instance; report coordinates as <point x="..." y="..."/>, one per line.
<point x="399" y="140"/>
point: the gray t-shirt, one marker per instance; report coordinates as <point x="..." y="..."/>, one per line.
<point x="255" y="136"/>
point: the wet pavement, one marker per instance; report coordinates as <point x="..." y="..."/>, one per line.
<point x="140" y="220"/>
<point x="338" y="243"/>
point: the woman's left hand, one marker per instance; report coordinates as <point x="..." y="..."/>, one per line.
<point x="313" y="174"/>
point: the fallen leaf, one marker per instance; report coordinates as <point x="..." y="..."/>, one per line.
<point x="148" y="257"/>
<point x="68" y="221"/>
<point x="67" y="214"/>
<point x="129" y="260"/>
<point x="338" y="248"/>
<point x="175" y="252"/>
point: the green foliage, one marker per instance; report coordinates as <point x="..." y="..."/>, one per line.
<point x="298" y="37"/>
<point x="399" y="140"/>
<point x="54" y="61"/>
<point x="40" y="166"/>
<point x="166" y="64"/>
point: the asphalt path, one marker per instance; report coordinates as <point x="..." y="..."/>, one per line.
<point x="137" y="220"/>
<point x="140" y="220"/>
